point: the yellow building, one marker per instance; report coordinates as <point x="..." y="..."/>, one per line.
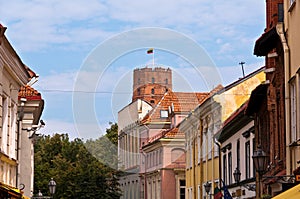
<point x="200" y="128"/>
<point x="292" y="82"/>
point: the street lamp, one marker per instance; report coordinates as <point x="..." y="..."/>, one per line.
<point x="207" y="187"/>
<point x="260" y="160"/>
<point x="52" y="186"/>
<point x="237" y="178"/>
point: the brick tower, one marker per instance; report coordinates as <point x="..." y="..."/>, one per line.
<point x="150" y="84"/>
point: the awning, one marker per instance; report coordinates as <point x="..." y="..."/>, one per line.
<point x="292" y="193"/>
<point x="256" y="99"/>
<point x="12" y="191"/>
<point x="266" y="42"/>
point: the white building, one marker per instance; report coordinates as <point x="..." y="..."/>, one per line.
<point x="238" y="141"/>
<point x="16" y="149"/>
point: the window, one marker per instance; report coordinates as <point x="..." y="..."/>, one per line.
<point x="157" y="157"/>
<point x="253" y="167"/>
<point x="163" y="114"/>
<point x="160" y="156"/>
<point x="191" y="153"/>
<point x="4" y="119"/>
<point x="229" y="168"/>
<point x="153" y="80"/>
<point x="238" y="158"/>
<point x="152" y="91"/>
<point x="209" y="143"/>
<point x="138" y="91"/>
<point x="148" y="160"/>
<point x="248" y="158"/>
<point x="198" y="148"/>
<point x="225" y="168"/>
<point x="182" y="189"/>
<point x="153" y="159"/>
<point x="293" y="112"/>
<point x="190" y="193"/>
<point x="280" y="12"/>
<point x="166" y="81"/>
<point x="158" y="188"/>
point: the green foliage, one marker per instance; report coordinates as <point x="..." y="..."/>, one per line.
<point x="77" y="172"/>
<point x="105" y="148"/>
<point x="112" y="133"/>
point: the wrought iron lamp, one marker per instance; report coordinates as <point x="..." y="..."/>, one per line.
<point x="52" y="186"/>
<point x="207" y="187"/>
<point x="237" y="178"/>
<point x="260" y="160"/>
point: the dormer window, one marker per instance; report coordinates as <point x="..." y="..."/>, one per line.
<point x="163" y="114"/>
<point x="152" y="91"/>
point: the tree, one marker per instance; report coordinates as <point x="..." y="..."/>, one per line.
<point x="77" y="172"/>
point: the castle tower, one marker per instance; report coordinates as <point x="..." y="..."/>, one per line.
<point x="150" y="84"/>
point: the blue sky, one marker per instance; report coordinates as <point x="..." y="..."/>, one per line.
<point x="57" y="38"/>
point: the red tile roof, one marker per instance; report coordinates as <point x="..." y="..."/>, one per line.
<point x="179" y="102"/>
<point x="29" y="93"/>
<point x="170" y="133"/>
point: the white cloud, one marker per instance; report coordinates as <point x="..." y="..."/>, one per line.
<point x="57" y="81"/>
<point x="36" y="25"/>
<point x="225" y="28"/>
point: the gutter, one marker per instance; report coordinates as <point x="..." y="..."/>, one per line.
<point x="220" y="163"/>
<point x="286" y="54"/>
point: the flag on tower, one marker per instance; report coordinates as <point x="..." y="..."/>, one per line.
<point x="150" y="51"/>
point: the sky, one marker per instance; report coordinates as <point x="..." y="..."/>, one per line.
<point x="85" y="51"/>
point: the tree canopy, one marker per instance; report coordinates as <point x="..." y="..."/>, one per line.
<point x="78" y="172"/>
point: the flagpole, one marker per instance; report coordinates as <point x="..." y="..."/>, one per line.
<point x="153" y="58"/>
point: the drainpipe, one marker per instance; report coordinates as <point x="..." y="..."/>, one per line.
<point x="194" y="163"/>
<point x="18" y="152"/>
<point x="201" y="155"/>
<point x="19" y="130"/>
<point x="145" y="180"/>
<point x="286" y="54"/>
<point x="220" y="169"/>
<point x="145" y="167"/>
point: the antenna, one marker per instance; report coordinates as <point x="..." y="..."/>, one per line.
<point x="242" y="64"/>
